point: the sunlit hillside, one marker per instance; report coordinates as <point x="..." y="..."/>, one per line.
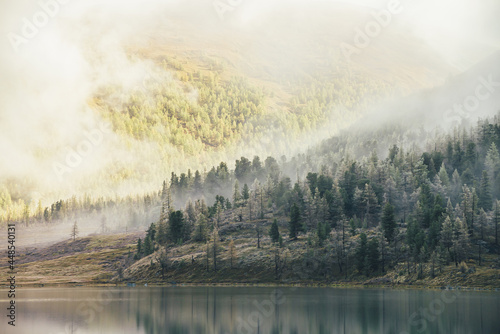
<point x="184" y="93"/>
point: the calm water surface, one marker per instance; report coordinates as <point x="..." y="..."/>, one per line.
<point x="242" y="310"/>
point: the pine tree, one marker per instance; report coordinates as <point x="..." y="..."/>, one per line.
<point x="368" y="204"/>
<point x="236" y="194"/>
<point x="469" y="206"/>
<point x="200" y="233"/>
<point x="246" y="192"/>
<point x="161" y="233"/>
<point x="274" y="232"/>
<point x="197" y="183"/>
<point x="450" y="212"/>
<point x="485" y="200"/>
<point x="176" y="226"/>
<point x="295" y="224"/>
<point x="388" y="222"/>
<point x="447" y="233"/>
<point x="321" y="233"/>
<point x="151" y="232"/>
<point x="335" y="206"/>
<point x="492" y="162"/>
<point x="361" y="252"/>
<point x="460" y="241"/>
<point x="443" y="176"/>
<point x="148" y="246"/>
<point x="191" y="213"/>
<point x="139" y="247"/>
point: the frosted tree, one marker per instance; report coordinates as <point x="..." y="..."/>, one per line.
<point x="447" y="233"/>
<point x="74" y="231"/>
<point x="492" y="161"/>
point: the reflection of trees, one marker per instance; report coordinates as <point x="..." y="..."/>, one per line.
<point x="210" y="310"/>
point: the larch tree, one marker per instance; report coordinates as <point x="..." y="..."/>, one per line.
<point x="74" y="231"/>
<point x="236" y="194"/>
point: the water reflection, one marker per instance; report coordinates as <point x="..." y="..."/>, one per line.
<point x="243" y="310"/>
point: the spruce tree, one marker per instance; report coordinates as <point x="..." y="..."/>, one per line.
<point x="236" y="194"/>
<point x="246" y="192"/>
<point x="447" y="234"/>
<point x="321" y="233"/>
<point x="485" y="200"/>
<point x="361" y="251"/>
<point x="274" y="232"/>
<point x="139" y="247"/>
<point x="388" y="222"/>
<point x="295" y="224"/>
<point x="176" y="226"/>
<point x="201" y="229"/>
<point x="148" y="246"/>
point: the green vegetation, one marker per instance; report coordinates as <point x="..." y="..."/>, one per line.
<point x="401" y="212"/>
<point x="353" y="219"/>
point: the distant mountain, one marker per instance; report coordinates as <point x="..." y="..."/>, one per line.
<point x="211" y="90"/>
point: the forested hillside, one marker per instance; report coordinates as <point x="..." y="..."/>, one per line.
<point x="203" y="92"/>
<point x="336" y="213"/>
<point x="410" y="214"/>
<point x="423" y="208"/>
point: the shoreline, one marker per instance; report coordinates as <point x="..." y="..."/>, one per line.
<point x="258" y="285"/>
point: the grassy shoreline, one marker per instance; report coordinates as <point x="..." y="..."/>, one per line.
<point x="351" y="285"/>
<point x="93" y="262"/>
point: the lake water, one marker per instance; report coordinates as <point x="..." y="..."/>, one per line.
<point x="235" y="310"/>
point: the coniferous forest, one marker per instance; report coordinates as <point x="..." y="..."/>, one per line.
<point x="404" y="215"/>
<point x="416" y="212"/>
